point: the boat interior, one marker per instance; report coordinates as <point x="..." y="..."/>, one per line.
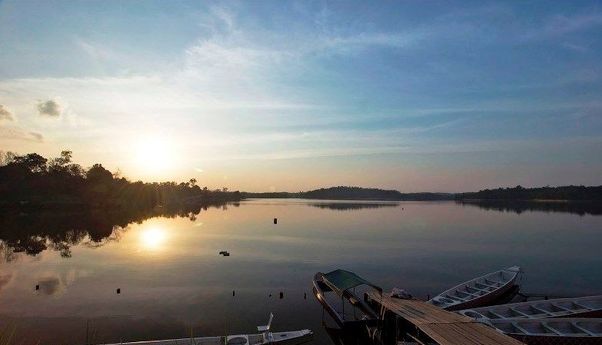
<point x="474" y="289"/>
<point x="350" y="307"/>
<point x="552" y="327"/>
<point x="340" y="291"/>
<point x="537" y="309"/>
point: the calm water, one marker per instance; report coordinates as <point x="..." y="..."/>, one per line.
<point x="174" y="283"/>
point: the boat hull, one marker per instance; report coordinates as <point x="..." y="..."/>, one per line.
<point x="450" y="300"/>
<point x="281" y="338"/>
<point x="551" y="340"/>
<point x="590" y="306"/>
<point x="582" y="331"/>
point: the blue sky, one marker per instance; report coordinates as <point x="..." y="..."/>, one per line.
<point x="280" y="95"/>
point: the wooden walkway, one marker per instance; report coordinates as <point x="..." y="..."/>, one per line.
<point x="429" y="323"/>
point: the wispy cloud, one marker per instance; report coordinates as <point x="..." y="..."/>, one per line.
<point x="16" y="133"/>
<point x="561" y="25"/>
<point x="6" y="114"/>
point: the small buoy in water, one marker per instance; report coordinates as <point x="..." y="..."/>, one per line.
<point x="233" y="293"/>
<point x="275" y="220"/>
<point x="118" y="290"/>
<point x="38" y="287"/>
<point x="281" y="295"/>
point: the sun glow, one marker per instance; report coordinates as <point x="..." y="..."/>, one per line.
<point x="154" y="155"/>
<point x="152" y="238"/>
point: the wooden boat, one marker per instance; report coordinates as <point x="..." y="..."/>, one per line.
<point x="566" y="331"/>
<point x="479" y="291"/>
<point x="590" y="306"/>
<point x="336" y="289"/>
<point x="264" y="338"/>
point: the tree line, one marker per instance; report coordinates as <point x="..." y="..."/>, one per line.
<point x="32" y="180"/>
<point x="354" y="193"/>
<point x="576" y="193"/>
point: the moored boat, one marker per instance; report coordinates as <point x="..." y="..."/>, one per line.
<point x="590" y="306"/>
<point x="567" y="331"/>
<point x="266" y="337"/>
<point x="479" y="291"/>
<point x="336" y="289"/>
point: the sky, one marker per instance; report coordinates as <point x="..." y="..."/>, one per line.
<point x="295" y="95"/>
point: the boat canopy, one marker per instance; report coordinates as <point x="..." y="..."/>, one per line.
<point x="340" y="281"/>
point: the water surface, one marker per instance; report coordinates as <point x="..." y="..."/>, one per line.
<point x="174" y="283"/>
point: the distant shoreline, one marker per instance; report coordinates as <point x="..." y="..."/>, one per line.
<point x="516" y="194"/>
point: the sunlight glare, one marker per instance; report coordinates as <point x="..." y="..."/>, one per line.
<point x="154" y="154"/>
<point x="152" y="238"/>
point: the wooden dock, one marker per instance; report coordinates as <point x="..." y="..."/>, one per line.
<point x="429" y="324"/>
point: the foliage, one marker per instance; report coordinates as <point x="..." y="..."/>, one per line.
<point x="582" y="193"/>
<point x="33" y="181"/>
<point x="353" y="193"/>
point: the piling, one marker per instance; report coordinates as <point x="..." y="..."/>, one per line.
<point x="275" y="220"/>
<point x="118" y="290"/>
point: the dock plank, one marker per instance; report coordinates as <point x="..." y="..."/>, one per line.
<point x="444" y="327"/>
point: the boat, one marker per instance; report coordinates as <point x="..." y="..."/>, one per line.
<point x="479" y="291"/>
<point x="266" y="337"/>
<point x="566" y="331"/>
<point x="590" y="306"/>
<point x="336" y="289"/>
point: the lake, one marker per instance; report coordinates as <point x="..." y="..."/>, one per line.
<point x="173" y="283"/>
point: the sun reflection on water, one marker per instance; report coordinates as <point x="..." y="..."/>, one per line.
<point x="152" y="238"/>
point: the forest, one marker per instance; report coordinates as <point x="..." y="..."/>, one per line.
<point x="355" y="193"/>
<point x="33" y="181"/>
<point x="573" y="193"/>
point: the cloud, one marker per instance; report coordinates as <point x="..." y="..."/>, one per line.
<point x="5" y="114"/>
<point x="561" y="25"/>
<point x="50" y="108"/>
<point x="36" y="136"/>
<point x="20" y="134"/>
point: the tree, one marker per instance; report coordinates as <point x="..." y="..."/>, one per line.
<point x="61" y="163"/>
<point x="98" y="174"/>
<point x="32" y="161"/>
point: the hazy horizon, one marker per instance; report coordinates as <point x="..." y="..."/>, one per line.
<point x="293" y="96"/>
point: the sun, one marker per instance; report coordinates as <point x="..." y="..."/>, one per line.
<point x="154" y="155"/>
<point x="152" y="238"/>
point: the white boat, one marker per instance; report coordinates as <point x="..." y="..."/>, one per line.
<point x="264" y="338"/>
<point x="590" y="306"/>
<point x="567" y="331"/>
<point x="478" y="291"/>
